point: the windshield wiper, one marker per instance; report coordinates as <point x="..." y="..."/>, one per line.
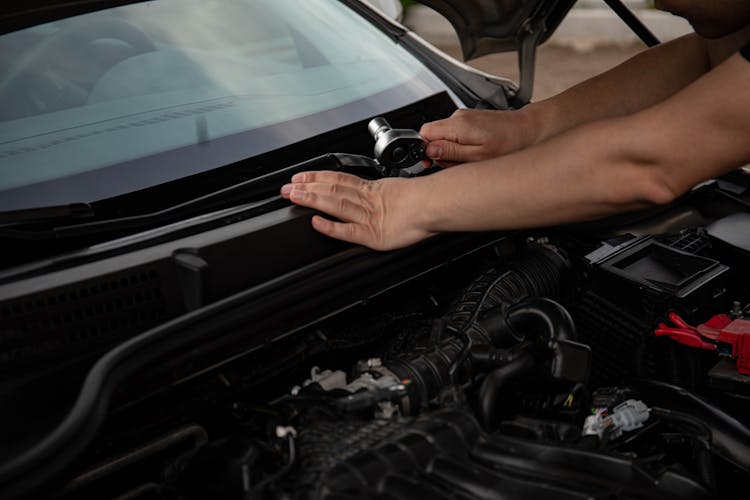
<point x="238" y="193"/>
<point x="46" y="214"/>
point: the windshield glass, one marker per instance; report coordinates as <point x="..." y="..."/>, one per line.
<point x="91" y="105"/>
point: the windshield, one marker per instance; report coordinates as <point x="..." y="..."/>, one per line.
<point x="123" y="99"/>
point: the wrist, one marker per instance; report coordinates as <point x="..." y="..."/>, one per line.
<point x="427" y="202"/>
<point x="538" y="120"/>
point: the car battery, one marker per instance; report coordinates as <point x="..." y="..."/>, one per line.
<point x="629" y="287"/>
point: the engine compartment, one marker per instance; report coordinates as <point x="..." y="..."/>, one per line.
<point x="531" y="368"/>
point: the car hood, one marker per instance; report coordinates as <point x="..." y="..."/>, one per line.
<point x="487" y="26"/>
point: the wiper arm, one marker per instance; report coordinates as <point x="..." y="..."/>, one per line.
<point x="396" y="152"/>
<point x="237" y="193"/>
<point x="46" y="214"/>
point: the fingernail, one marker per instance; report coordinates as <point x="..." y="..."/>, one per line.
<point x="434" y="152"/>
<point x="286" y="189"/>
<point x="300" y="177"/>
<point x="296" y="194"/>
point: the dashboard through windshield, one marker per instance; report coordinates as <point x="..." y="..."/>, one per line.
<point x="123" y="99"/>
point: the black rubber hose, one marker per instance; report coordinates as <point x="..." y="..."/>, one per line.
<point x="730" y="439"/>
<point x="495" y="382"/>
<point x="534" y="316"/>
<point x="485" y="315"/>
<point x="540" y="314"/>
<point x="541" y="272"/>
<point x="703" y="438"/>
<point x="542" y="322"/>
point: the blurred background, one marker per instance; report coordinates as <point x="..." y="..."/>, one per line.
<point x="590" y="40"/>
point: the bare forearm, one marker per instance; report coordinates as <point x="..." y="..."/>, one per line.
<point x="606" y="166"/>
<point x="586" y="173"/>
<point x="642" y="81"/>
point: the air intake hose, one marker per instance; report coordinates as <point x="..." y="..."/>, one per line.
<point x="543" y="333"/>
<point x="538" y="273"/>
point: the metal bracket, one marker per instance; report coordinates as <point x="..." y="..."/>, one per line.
<point x="527" y="60"/>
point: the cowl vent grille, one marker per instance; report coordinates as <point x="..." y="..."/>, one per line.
<point x="70" y="321"/>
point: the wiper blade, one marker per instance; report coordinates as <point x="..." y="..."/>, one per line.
<point x="46" y="214"/>
<point x="238" y="193"/>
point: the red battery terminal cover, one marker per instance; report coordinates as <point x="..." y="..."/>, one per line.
<point x="721" y="333"/>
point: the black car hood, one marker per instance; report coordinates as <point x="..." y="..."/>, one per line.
<point x="487" y="26"/>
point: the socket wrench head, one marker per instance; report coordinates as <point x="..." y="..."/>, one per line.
<point x="377" y="127"/>
<point x="395" y="149"/>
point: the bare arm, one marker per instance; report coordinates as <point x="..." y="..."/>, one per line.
<point x="644" y="80"/>
<point x="590" y="171"/>
<point x="640" y="82"/>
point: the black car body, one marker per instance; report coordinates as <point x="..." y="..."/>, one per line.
<point x="171" y="328"/>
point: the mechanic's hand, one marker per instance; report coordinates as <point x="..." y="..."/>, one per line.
<point x="382" y="214"/>
<point x="474" y="135"/>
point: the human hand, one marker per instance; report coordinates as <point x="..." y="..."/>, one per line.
<point x="474" y="135"/>
<point x="382" y="215"/>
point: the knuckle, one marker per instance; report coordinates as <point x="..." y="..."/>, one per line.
<point x="342" y="205"/>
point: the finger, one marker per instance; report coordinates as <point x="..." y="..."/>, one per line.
<point x="345" y="231"/>
<point x="340" y="207"/>
<point x="440" y="129"/>
<point x="329" y="177"/>
<point x="325" y="188"/>
<point x="451" y="151"/>
<point x="458" y="128"/>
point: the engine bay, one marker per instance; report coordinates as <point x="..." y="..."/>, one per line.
<point x="599" y="361"/>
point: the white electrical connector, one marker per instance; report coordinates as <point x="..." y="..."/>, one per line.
<point x="282" y="432"/>
<point x="594" y="423"/>
<point x="627" y="416"/>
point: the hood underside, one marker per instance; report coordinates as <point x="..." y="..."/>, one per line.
<point x="487" y="26"/>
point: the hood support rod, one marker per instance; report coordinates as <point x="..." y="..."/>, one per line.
<point x="635" y="24"/>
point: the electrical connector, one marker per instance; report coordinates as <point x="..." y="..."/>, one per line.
<point x="626" y="417"/>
